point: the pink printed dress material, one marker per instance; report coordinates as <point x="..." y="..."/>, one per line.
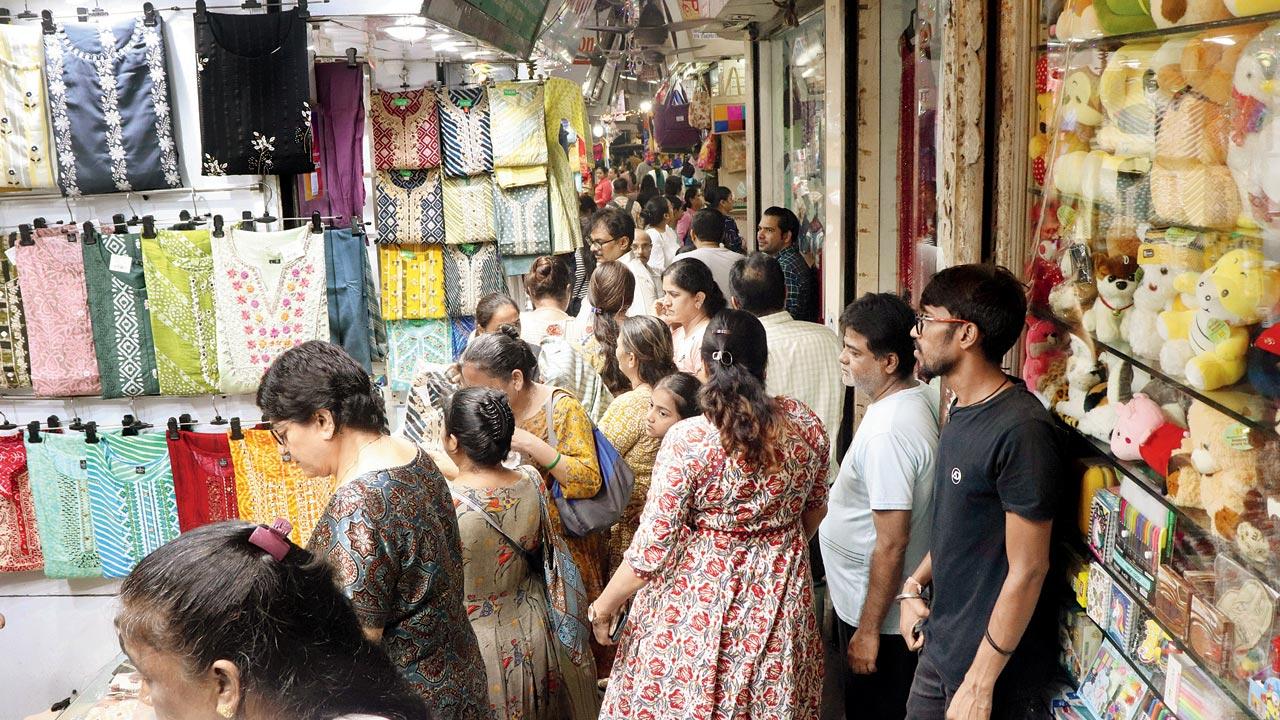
<point x="270" y="293"/>
<point x="56" y="306"/>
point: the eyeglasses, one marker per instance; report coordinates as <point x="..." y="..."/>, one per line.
<point x="281" y="438"/>
<point x="922" y="319"/>
<point x="598" y="244"/>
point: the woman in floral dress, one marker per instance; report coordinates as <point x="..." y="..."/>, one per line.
<point x="722" y="624"/>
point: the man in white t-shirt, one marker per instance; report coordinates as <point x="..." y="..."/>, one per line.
<point x="612" y="233"/>
<point x="880" y="510"/>
<point x="707" y="232"/>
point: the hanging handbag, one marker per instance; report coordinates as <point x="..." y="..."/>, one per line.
<point x="708" y="157"/>
<point x="671" y="126"/>
<point x="587" y="515"/>
<point x="700" y="108"/>
<point x="733" y="152"/>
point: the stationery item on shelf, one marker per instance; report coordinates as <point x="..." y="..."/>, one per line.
<point x="204" y="479"/>
<point x="55" y="303"/>
<point x="254" y="89"/>
<point x="464" y="131"/>
<point x="1082" y="640"/>
<point x="1172" y="600"/>
<point x="1264" y="697"/>
<point x="1120" y="618"/>
<point x="410" y="207"/>
<point x="1252" y="609"/>
<point x="461" y="328"/>
<point x="268" y="488"/>
<point x="413" y="343"/>
<point x="27" y="155"/>
<point x="406" y="129"/>
<point x="19" y="538"/>
<point x="60" y="488"/>
<point x="336" y="189"/>
<point x="131" y="498"/>
<point x="468" y="210"/>
<point x="521" y="219"/>
<point x="15" y="359"/>
<point x="346" y="266"/>
<point x="178" y="268"/>
<point x="566" y="117"/>
<point x="1097" y="477"/>
<point x="1111" y="687"/>
<point x="471" y="271"/>
<point x="1098" y="602"/>
<point x="518" y="110"/>
<point x="1194" y="695"/>
<point x="1149" y="645"/>
<point x="112" y="115"/>
<point x="1104" y="523"/>
<point x="270" y="291"/>
<point x="1210" y="634"/>
<point x="1142" y="541"/>
<point x="413" y="282"/>
<point x="120" y="315"/>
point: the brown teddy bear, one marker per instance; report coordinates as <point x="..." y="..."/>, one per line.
<point x="1218" y="469"/>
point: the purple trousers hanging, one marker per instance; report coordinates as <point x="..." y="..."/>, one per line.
<point x="339" y="139"/>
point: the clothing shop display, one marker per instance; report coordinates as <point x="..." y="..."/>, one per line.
<point x="253" y="84"/>
<point x="406" y="130"/>
<point x="60" y="488"/>
<point x="521" y="220"/>
<point x="336" y="188"/>
<point x="270" y="293"/>
<point x="413" y="282"/>
<point x="373" y="306"/>
<point x="518" y="110"/>
<point x="204" y="478"/>
<point x="460" y="330"/>
<point x="55" y="304"/>
<point x="464" y="131"/>
<point x="120" y="315"/>
<point x="346" y="266"/>
<point x="15" y="360"/>
<point x="131" y="498"/>
<point x="471" y="271"/>
<point x="409" y="207"/>
<point x="19" y="538"/>
<point x="468" y="210"/>
<point x="268" y="488"/>
<point x="26" y="142"/>
<point x="178" y="266"/>
<point x="109" y="98"/>
<point x="412" y="343"/>
<point x="566" y="118"/>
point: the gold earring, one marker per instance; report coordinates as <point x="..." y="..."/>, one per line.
<point x="226" y="711"/>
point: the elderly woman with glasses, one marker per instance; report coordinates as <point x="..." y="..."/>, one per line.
<point x="389" y="532"/>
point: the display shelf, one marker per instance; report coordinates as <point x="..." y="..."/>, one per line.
<point x="1123" y="38"/>
<point x="1239" y="402"/>
<point x="1108" y="208"/>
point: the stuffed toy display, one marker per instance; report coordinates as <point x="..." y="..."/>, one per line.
<point x="1264" y="362"/>
<point x="1043" y="272"/>
<point x="1129" y="104"/>
<point x="1045" y="345"/>
<point x="1118" y="17"/>
<point x="1173" y="13"/>
<point x="1161" y="264"/>
<point x="1245" y="8"/>
<point x="1094" y="389"/>
<point x="1218" y="468"/>
<point x="1253" y="151"/>
<point x="1117" y="281"/>
<point x="1079" y="111"/>
<point x="1078" y="21"/>
<point x="1145" y="431"/>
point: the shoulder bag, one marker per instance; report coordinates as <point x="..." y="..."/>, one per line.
<point x="585" y="516"/>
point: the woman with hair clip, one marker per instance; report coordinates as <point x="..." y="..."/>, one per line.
<point x="644" y="357"/>
<point x="548" y="284"/>
<point x="389" y="531"/>
<point x="531" y="674"/>
<point x="610" y="293"/>
<point x="232" y="620"/>
<point x="690" y="299"/>
<point x="720" y="565"/>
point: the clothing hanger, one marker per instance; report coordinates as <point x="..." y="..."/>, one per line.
<point x="6" y="425"/>
<point x="148" y="227"/>
<point x="217" y="226"/>
<point x="236" y="432"/>
<point x="217" y="416"/>
<point x="89" y="236"/>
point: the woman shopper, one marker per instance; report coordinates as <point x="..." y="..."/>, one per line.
<point x="531" y="675"/>
<point x="389" y="531"/>
<point x="548" y="284"/>
<point x="719" y="566"/>
<point x="693" y="202"/>
<point x="494" y="310"/>
<point x="675" y="398"/>
<point x="690" y="299"/>
<point x="610" y="294"/>
<point x="644" y="357"/>
<point x="232" y="620"/>
<point x="657" y="214"/>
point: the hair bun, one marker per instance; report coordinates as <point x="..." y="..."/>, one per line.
<point x="510" y="331"/>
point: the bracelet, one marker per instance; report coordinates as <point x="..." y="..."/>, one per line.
<point x="908" y="596"/>
<point x="994" y="646"/>
<point x="555" y="462"/>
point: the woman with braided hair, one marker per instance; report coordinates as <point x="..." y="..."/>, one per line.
<point x="719" y="565"/>
<point x="501" y="520"/>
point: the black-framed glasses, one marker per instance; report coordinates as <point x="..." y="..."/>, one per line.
<point x="281" y="438"/>
<point x="598" y="244"/>
<point x="921" y="319"/>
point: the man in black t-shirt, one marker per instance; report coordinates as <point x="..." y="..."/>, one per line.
<point x="989" y="637"/>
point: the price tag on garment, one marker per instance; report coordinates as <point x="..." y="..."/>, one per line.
<point x="406" y="173"/>
<point x="121" y="263"/>
<point x="293" y="251"/>
<point x="465" y="103"/>
<point x="12" y="255"/>
<point x="400" y="102"/>
<point x="510" y="92"/>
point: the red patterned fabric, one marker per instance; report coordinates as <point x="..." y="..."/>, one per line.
<point x="204" y="479"/>
<point x="406" y="130"/>
<point x="19" y="542"/>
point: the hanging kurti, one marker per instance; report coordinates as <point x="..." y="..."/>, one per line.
<point x="60" y="489"/>
<point x="178" y="266"/>
<point x="460" y="329"/>
<point x="204" y="479"/>
<point x="520" y="148"/>
<point x="346" y="266"/>
<point x="270" y="291"/>
<point x="377" y="326"/>
<point x="26" y="145"/>
<point x="15" y="364"/>
<point x="336" y="188"/>
<point x="410" y="207"/>
<point x="109" y="97"/>
<point x="464" y="131"/>
<point x="468" y="210"/>
<point x="131" y="498"/>
<point x="413" y="284"/>
<point x="51" y="274"/>
<point x="470" y="272"/>
<point x="252" y="78"/>
<point x="413" y="343"/>
<point x="120" y="315"/>
<point x="19" y="539"/>
<point x="406" y="130"/>
<point x="268" y="488"/>
<point x="521" y="218"/>
<point x="566" y="117"/>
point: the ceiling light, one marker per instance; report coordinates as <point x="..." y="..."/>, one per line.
<point x="645" y="106"/>
<point x="406" y="33"/>
<point x="452" y="44"/>
<point x="440" y="36"/>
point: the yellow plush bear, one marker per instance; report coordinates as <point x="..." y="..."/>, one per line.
<point x="1215" y="468"/>
<point x="1227" y="298"/>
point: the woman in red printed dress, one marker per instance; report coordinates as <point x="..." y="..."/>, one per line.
<point x="722" y="625"/>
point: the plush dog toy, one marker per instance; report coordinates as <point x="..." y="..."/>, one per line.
<point x="1145" y="431"/>
<point x="1117" y="281"/>
<point x="1173" y="13"/>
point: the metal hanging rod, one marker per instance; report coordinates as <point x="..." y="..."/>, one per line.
<point x="144" y="194"/>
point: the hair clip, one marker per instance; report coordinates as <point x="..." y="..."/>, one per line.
<point x="596" y="311"/>
<point x="721" y="331"/>
<point x="724" y="357"/>
<point x="274" y="539"/>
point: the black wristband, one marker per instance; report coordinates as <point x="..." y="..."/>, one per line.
<point x="996" y="647"/>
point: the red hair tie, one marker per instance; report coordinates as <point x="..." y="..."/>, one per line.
<point x="274" y="539"/>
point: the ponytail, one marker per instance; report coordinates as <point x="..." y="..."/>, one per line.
<point x="734" y="398"/>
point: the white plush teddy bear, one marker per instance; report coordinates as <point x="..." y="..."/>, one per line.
<point x="1161" y="264"/>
